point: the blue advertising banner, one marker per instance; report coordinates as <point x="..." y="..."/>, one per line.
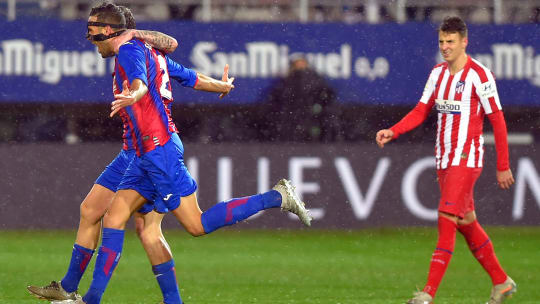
<point x="45" y="60"/>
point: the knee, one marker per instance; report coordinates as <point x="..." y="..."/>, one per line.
<point x="195" y="229"/>
<point x="90" y="213"/>
<point x="149" y="236"/>
<point x="112" y="221"/>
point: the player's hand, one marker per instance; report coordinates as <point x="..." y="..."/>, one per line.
<point x="126" y="36"/>
<point x="228" y="82"/>
<point x="384" y="136"/>
<point x="505" y="179"/>
<point x="122" y="100"/>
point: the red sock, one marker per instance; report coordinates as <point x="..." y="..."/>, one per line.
<point x="442" y="254"/>
<point x="482" y="249"/>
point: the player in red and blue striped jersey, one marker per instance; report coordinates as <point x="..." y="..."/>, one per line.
<point x="158" y="173"/>
<point x="95" y="204"/>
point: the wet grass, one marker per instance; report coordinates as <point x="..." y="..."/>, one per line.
<point x="263" y="266"/>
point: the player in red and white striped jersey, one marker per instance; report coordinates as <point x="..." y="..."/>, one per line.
<point x="462" y="91"/>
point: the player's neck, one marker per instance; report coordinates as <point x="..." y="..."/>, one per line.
<point x="457" y="65"/>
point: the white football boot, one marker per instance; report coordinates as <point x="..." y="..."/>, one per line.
<point x="421" y="297"/>
<point x="501" y="292"/>
<point x="53" y="291"/>
<point x="290" y="201"/>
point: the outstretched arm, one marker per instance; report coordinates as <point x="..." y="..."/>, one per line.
<point x="209" y="84"/>
<point x="412" y="120"/>
<point x="157" y="40"/>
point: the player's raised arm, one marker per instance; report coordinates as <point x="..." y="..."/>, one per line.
<point x="129" y="96"/>
<point x="157" y="40"/>
<point x="209" y="84"/>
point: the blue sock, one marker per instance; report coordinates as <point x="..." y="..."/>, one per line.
<point x="107" y="259"/>
<point x="80" y="257"/>
<point x="166" y="277"/>
<point x="238" y="209"/>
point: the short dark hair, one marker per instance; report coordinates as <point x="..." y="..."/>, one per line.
<point x="108" y="12"/>
<point x="128" y="15"/>
<point x="454" y="24"/>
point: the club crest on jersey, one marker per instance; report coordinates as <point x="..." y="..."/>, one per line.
<point x="460" y="86"/>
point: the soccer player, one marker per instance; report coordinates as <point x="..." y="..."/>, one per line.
<point x="147" y="222"/>
<point x="158" y="174"/>
<point x="463" y="91"/>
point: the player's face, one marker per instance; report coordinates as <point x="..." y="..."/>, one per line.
<point x="451" y="45"/>
<point x="104" y="47"/>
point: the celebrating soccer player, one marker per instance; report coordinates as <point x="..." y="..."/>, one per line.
<point x="94" y="206"/>
<point x="463" y="91"/>
<point x="157" y="174"/>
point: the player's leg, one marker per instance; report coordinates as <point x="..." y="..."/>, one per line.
<point x="92" y="210"/>
<point x="148" y="227"/>
<point x="450" y="209"/>
<point x="124" y="203"/>
<point x="235" y="210"/>
<point x="179" y="196"/>
<point x="482" y="249"/>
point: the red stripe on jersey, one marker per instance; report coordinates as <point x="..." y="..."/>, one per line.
<point x="130" y="130"/>
<point x="457" y="118"/>
<point x="473" y="110"/>
<point x="159" y="79"/>
<point x="435" y="94"/>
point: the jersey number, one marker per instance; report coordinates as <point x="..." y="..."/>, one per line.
<point x="164" y="89"/>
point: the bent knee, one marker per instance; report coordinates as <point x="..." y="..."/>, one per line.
<point x="149" y="236"/>
<point x="195" y="230"/>
<point x="91" y="213"/>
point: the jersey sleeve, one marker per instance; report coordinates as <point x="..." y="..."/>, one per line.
<point x="133" y="60"/>
<point x="429" y="89"/>
<point x="486" y="89"/>
<point x="501" y="140"/>
<point x="186" y="77"/>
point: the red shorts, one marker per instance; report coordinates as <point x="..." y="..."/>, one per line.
<point x="457" y="187"/>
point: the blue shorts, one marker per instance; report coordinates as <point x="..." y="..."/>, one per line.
<point x="113" y="174"/>
<point x="160" y="176"/>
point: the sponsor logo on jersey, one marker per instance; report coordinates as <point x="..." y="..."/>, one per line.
<point x="448" y="106"/>
<point x="487" y="89"/>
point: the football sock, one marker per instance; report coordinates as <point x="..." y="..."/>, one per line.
<point x="107" y="259"/>
<point x="238" y="209"/>
<point x="482" y="249"/>
<point x="80" y="257"/>
<point x="442" y="254"/>
<point x="166" y="277"/>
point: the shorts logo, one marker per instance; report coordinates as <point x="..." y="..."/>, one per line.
<point x="449" y="203"/>
<point x="460" y="86"/>
<point x="166" y="198"/>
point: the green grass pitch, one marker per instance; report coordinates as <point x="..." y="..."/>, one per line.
<point x="263" y="266"/>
